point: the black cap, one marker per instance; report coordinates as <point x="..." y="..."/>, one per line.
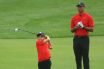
<point x="40" y="34"/>
<point x="80" y="4"/>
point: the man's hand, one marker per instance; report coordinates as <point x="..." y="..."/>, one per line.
<point x="81" y="24"/>
<point x="75" y="28"/>
<point x="89" y="29"/>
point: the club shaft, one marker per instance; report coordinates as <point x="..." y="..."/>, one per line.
<point x="26" y="31"/>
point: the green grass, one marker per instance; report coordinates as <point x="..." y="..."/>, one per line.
<point x="49" y="16"/>
<point x="22" y="54"/>
<point x="53" y="18"/>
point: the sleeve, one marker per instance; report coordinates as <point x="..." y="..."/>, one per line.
<point x="40" y="42"/>
<point x="91" y="22"/>
<point x="72" y="23"/>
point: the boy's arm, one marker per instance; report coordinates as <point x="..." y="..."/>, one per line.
<point x="50" y="45"/>
<point x="48" y="41"/>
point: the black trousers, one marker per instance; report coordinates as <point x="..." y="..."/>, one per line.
<point x="44" y="64"/>
<point x="81" y="51"/>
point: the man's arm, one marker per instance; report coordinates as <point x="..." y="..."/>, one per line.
<point x="74" y="29"/>
<point x="91" y="25"/>
<point x="89" y="29"/>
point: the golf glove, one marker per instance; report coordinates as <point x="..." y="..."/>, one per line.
<point x="80" y="24"/>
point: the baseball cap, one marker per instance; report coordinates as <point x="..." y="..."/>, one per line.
<point x="80" y="4"/>
<point x="40" y="34"/>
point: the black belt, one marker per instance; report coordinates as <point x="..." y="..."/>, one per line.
<point x="45" y="60"/>
<point x="80" y="36"/>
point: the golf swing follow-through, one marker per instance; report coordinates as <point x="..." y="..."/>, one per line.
<point x="43" y="45"/>
<point x="18" y="29"/>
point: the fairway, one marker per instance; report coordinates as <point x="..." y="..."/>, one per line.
<point x="52" y="17"/>
<point x="49" y="16"/>
<point x="21" y="53"/>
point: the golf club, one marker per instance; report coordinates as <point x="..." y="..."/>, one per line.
<point x="18" y="29"/>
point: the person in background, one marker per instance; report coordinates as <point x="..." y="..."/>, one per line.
<point x="81" y="24"/>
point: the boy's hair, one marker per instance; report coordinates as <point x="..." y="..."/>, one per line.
<point x="41" y="34"/>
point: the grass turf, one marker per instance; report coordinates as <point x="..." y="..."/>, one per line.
<point x="21" y="53"/>
<point x="49" y="16"/>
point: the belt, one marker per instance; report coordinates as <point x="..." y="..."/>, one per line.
<point x="45" y="60"/>
<point x="80" y="36"/>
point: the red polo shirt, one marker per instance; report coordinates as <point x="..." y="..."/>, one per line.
<point x="87" y="21"/>
<point x="43" y="50"/>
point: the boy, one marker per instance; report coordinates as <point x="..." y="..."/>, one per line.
<point x="43" y="46"/>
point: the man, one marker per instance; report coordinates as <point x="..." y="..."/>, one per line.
<point x="81" y="24"/>
<point x="43" y="46"/>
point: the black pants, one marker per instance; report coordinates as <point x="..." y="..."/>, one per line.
<point x="81" y="51"/>
<point x="44" y="64"/>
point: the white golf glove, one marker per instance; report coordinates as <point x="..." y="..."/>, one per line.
<point x="80" y="24"/>
<point x="47" y="37"/>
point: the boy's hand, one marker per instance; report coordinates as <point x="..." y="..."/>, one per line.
<point x="47" y="37"/>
